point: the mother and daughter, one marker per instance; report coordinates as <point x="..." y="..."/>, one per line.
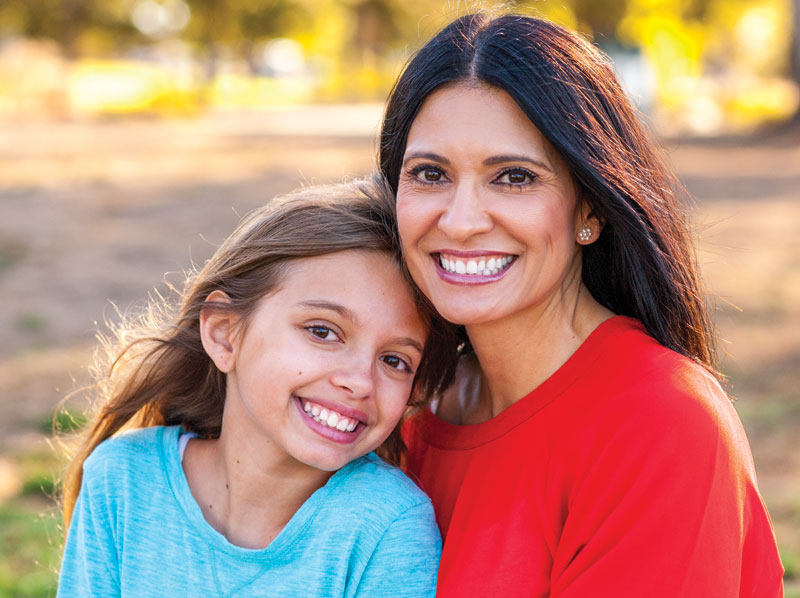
<point x="570" y="428"/>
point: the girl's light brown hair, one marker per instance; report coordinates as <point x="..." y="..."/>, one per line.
<point x="153" y="370"/>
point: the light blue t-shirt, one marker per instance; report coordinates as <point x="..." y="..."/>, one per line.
<point x="137" y="531"/>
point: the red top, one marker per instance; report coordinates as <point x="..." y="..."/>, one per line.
<point x="626" y="473"/>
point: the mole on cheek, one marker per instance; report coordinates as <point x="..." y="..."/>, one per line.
<point x="299" y="373"/>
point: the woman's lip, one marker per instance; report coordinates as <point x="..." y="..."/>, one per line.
<point x="327" y="432"/>
<point x="469" y="279"/>
<point x="337" y="407"/>
<point x="468" y="254"/>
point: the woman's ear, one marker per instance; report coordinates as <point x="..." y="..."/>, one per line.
<point x="217" y="330"/>
<point x="589" y="225"/>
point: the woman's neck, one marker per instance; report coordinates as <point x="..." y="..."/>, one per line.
<point x="518" y="353"/>
<point x="244" y="495"/>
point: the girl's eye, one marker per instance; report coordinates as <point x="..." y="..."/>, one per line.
<point x="516" y="177"/>
<point x="395" y="362"/>
<point x="427" y="174"/>
<point x="323" y="333"/>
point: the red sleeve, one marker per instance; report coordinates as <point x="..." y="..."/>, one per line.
<point x="665" y="505"/>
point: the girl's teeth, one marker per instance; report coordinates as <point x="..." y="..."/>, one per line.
<point x="330" y="418"/>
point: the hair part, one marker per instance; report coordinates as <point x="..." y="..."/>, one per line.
<point x="152" y="369"/>
<point x="643" y="263"/>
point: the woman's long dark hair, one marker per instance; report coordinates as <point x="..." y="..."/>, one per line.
<point x="643" y="264"/>
<point x="153" y="370"/>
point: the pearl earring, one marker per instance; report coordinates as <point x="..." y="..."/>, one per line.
<point x="585" y="234"/>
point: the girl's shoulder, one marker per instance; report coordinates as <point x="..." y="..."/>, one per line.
<point x="373" y="486"/>
<point x="132" y="449"/>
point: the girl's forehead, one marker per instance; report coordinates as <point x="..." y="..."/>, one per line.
<point x="364" y="285"/>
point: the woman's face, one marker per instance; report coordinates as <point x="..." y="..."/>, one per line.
<point x="487" y="210"/>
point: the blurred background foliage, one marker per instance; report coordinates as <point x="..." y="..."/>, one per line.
<point x="697" y="66"/>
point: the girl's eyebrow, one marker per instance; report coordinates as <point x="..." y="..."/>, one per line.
<point x="350" y="315"/>
<point x="409" y="342"/>
<point x="335" y="307"/>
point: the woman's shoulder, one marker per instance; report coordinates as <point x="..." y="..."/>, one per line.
<point x="660" y="398"/>
<point x="634" y="363"/>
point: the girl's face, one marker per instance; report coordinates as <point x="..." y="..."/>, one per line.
<point x="487" y="210"/>
<point x="323" y="368"/>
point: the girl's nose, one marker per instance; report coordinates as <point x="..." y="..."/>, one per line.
<point x="356" y="378"/>
<point x="464" y="216"/>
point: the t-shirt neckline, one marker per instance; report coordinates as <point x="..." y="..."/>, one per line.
<point x="289" y="535"/>
<point x="446" y="435"/>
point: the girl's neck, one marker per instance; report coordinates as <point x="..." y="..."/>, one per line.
<point x="520" y="352"/>
<point x="243" y="494"/>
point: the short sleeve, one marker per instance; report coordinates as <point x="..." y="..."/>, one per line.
<point x="90" y="565"/>
<point x="406" y="559"/>
<point x="668" y="507"/>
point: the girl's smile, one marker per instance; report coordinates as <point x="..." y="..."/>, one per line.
<point x="329" y="419"/>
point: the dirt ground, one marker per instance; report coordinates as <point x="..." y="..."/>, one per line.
<point x="94" y="213"/>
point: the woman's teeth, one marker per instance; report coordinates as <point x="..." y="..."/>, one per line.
<point x="478" y="267"/>
<point x="329" y="417"/>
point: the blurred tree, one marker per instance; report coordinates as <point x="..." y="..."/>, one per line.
<point x="235" y="25"/>
<point x="78" y="26"/>
<point x="796" y="44"/>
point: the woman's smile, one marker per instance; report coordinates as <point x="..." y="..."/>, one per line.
<point x="472" y="267"/>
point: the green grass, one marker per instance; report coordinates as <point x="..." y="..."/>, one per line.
<point x="63" y="421"/>
<point x="30" y="548"/>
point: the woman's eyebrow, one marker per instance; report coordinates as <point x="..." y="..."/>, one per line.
<point x="427" y="156"/>
<point x="495" y="160"/>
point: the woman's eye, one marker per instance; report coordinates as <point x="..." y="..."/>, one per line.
<point x="516" y="177"/>
<point x="427" y="174"/>
<point x="395" y="362"/>
<point x="323" y="333"/>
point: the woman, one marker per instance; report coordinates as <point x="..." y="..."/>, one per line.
<point x="587" y="448"/>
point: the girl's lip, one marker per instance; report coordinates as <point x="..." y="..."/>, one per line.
<point x="327" y="432"/>
<point x="350" y="412"/>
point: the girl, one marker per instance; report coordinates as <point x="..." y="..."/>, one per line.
<point x="255" y="411"/>
<point x="586" y="448"/>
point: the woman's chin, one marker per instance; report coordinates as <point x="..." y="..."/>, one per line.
<point x="468" y="315"/>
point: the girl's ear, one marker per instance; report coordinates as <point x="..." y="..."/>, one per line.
<point x="217" y="329"/>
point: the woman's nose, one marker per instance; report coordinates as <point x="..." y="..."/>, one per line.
<point x="464" y="215"/>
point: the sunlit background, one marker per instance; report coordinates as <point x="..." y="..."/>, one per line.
<point x="134" y="133"/>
